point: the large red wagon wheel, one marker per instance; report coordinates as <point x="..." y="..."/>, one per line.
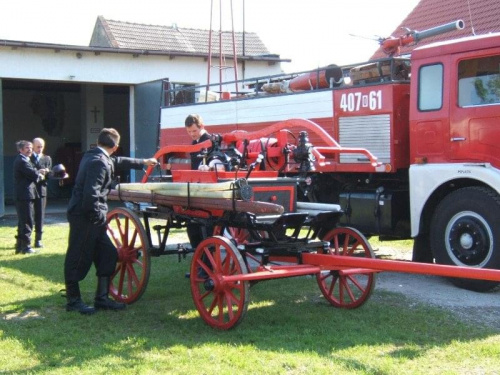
<point x="239" y="236"/>
<point x="348" y="288"/>
<point x="131" y="275"/>
<point x="222" y="304"/>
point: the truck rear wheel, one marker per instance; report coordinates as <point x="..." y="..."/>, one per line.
<point x="465" y="232"/>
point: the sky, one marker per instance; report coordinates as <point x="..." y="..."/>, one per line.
<point x="312" y="33"/>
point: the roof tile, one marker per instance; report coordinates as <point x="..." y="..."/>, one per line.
<point x="483" y="18"/>
<point x="175" y="39"/>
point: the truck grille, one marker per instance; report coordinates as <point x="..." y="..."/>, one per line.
<point x="370" y="132"/>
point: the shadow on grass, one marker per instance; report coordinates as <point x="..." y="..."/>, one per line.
<point x="50" y="219"/>
<point x="41" y="265"/>
<point x="284" y="316"/>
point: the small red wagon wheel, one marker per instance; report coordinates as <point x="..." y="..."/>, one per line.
<point x="348" y="288"/>
<point x="222" y="304"/>
<point x="131" y="275"/>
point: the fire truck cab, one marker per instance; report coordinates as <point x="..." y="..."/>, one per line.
<point x="455" y="152"/>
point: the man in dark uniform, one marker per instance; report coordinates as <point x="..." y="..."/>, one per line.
<point x="196" y="130"/>
<point x="41" y="162"/>
<point x="87" y="210"/>
<point x="26" y="176"/>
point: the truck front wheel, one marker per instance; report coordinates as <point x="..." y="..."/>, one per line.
<point x="465" y="232"/>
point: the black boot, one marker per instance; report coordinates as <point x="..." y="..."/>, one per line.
<point x="102" y="301"/>
<point x="38" y="240"/>
<point x="74" y="299"/>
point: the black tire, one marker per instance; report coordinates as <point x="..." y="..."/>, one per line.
<point x="465" y="231"/>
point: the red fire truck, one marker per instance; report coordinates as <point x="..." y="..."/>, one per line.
<point x="432" y="120"/>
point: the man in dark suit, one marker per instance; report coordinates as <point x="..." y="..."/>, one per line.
<point x="88" y="241"/>
<point x="41" y="162"/>
<point x="26" y="176"/>
<point x="196" y="130"/>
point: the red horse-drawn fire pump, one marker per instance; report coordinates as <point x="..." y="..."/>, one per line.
<point x="256" y="228"/>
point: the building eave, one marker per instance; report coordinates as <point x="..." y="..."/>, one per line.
<point x="133" y="52"/>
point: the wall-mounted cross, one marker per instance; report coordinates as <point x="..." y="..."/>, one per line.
<point x="95" y="112"/>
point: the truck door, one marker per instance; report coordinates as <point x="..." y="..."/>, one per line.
<point x="429" y="113"/>
<point x="475" y="103"/>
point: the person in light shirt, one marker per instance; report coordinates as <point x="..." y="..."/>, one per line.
<point x="41" y="162"/>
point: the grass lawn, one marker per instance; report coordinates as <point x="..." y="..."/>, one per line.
<point x="289" y="328"/>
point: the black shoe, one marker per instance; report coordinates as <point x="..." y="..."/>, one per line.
<point x="76" y="304"/>
<point x="74" y="299"/>
<point x="106" y="303"/>
<point x="38" y="240"/>
<point x="29" y="250"/>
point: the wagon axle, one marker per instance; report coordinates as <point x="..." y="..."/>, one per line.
<point x="209" y="285"/>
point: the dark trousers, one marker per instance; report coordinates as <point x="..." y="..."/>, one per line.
<point x="25" y="210"/>
<point x="88" y="244"/>
<point x="197" y="233"/>
<point x="40" y="204"/>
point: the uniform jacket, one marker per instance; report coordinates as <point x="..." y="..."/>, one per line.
<point x="43" y="162"/>
<point x="93" y="183"/>
<point x="25" y="178"/>
<point x="195" y="160"/>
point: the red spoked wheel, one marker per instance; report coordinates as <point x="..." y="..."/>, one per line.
<point x="131" y="275"/>
<point x="221" y="304"/>
<point x="348" y="288"/>
<point x="239" y="236"/>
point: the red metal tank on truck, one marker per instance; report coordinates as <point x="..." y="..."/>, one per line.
<point x="433" y="121"/>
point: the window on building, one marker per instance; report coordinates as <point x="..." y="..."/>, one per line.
<point x="179" y="93"/>
<point x="479" y="81"/>
<point x="430" y="88"/>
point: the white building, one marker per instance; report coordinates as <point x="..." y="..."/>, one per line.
<point x="66" y="94"/>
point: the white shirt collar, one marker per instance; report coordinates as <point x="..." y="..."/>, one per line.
<point x="103" y="150"/>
